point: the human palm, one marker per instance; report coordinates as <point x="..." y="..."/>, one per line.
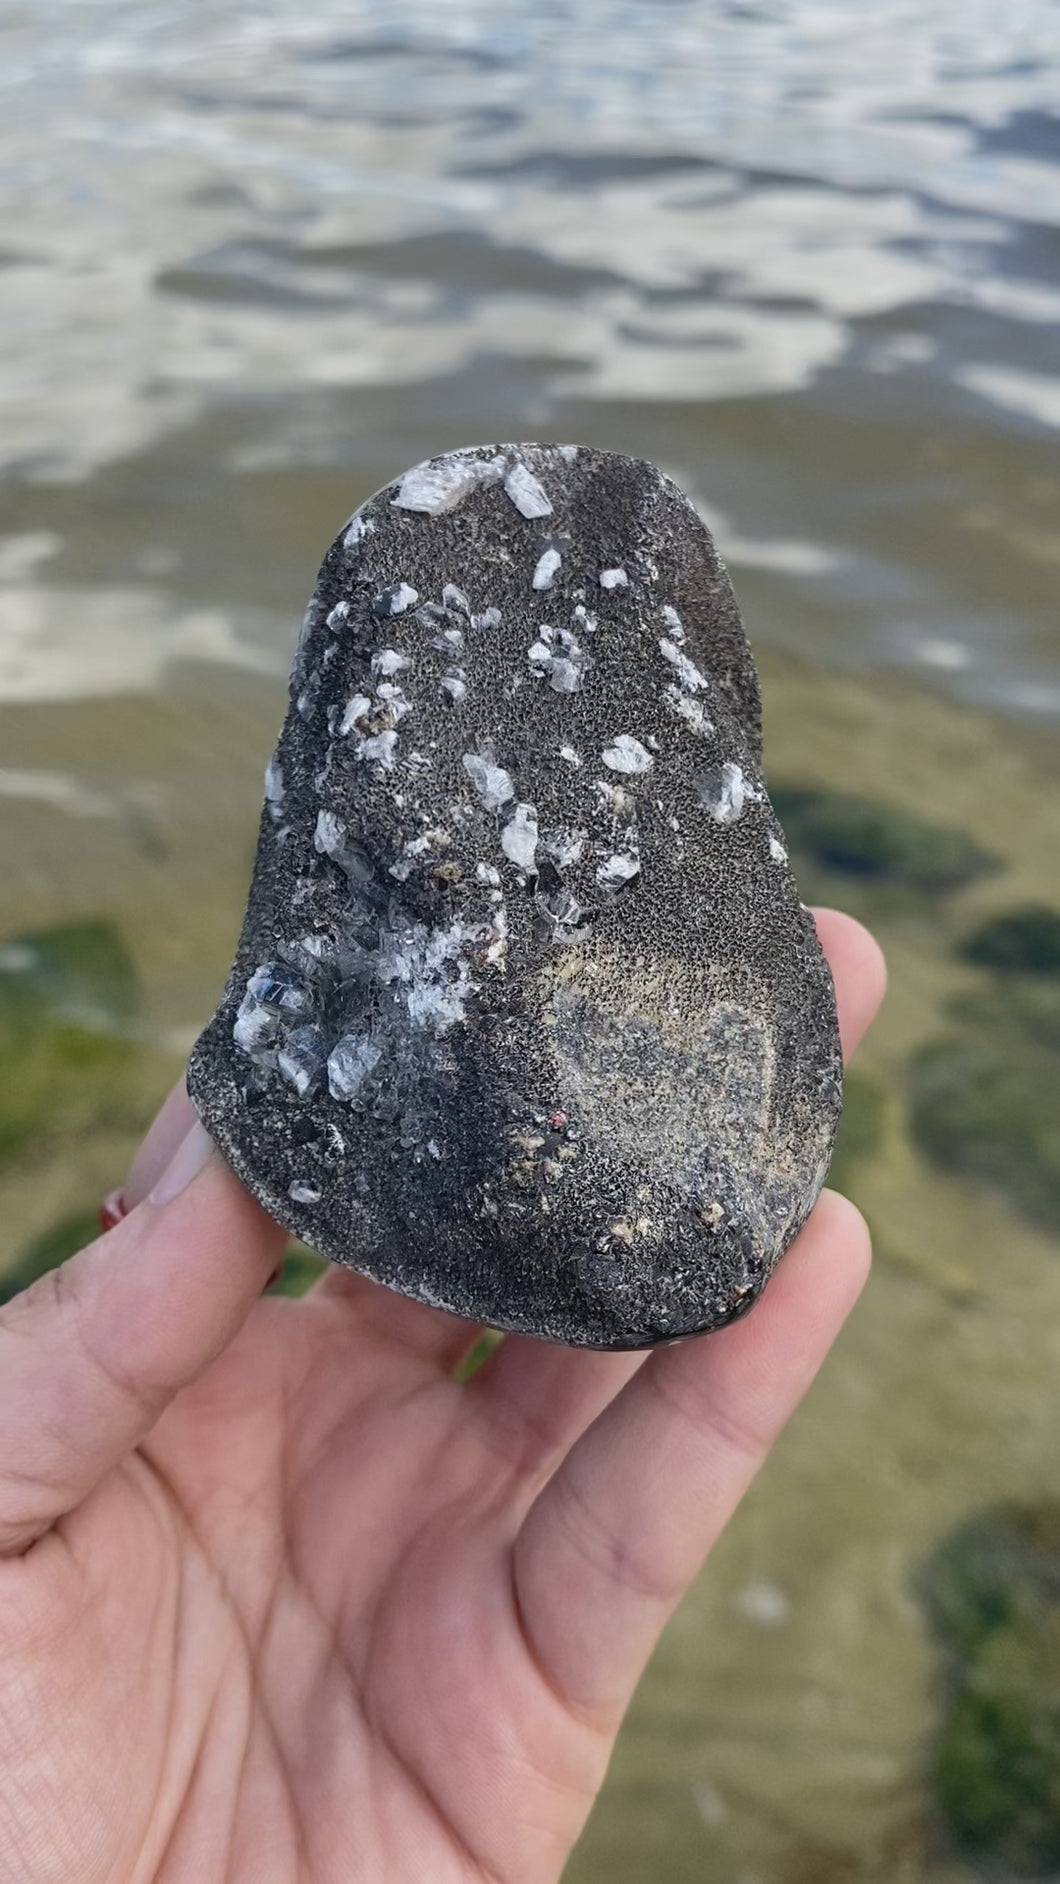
<point x="283" y="1599"/>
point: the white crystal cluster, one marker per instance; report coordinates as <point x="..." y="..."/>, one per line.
<point x="316" y="1020"/>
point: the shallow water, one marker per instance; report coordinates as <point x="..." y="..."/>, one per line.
<point x="255" y="261"/>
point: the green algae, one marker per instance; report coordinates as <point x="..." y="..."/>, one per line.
<point x="861" y="837"/>
<point x="299" y="1270"/>
<point x="990" y="1114"/>
<point x="993" y="1596"/>
<point x="68" y="1001"/>
<point x="1019" y="941"/>
<point x="860" y="1132"/>
<point x="983" y="1100"/>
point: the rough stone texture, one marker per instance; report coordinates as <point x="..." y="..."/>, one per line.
<point x="527" y="1020"/>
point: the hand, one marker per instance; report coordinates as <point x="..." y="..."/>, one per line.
<point x="280" y="1600"/>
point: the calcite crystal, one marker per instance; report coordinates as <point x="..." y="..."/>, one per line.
<point x="526" y="1019"/>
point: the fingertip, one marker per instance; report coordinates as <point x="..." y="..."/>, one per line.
<point x="200" y="1197"/>
<point x="859" y="971"/>
<point x="170" y="1127"/>
<point x="826" y="1267"/>
<point x="107" y="1340"/>
<point x="840" y="1223"/>
<point x="179" y="1161"/>
<point x="847" y="937"/>
<point x="782" y="1343"/>
<point x="842" y="935"/>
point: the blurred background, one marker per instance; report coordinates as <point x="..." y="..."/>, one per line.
<point x="257" y="258"/>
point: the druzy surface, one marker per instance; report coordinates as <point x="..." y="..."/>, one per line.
<point x="527" y="1020"/>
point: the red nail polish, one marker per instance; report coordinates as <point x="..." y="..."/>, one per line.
<point x="112" y="1210"/>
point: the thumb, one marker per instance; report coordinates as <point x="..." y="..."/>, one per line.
<point x="96" y="1349"/>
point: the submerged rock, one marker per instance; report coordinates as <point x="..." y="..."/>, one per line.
<point x="527" y="1020"/>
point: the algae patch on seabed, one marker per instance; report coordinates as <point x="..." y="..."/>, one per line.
<point x="993" y="1595"/>
<point x="878" y="842"/>
<point x="984" y="1104"/>
<point x="69" y="1064"/>
<point x="69" y="1058"/>
<point x="1018" y="942"/>
<point x="67" y="997"/>
<point x="985" y="1097"/>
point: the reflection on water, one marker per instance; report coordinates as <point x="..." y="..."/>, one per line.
<point x="255" y="260"/>
<point x="249" y="242"/>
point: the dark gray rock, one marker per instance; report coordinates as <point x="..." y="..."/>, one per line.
<point x="527" y="1020"/>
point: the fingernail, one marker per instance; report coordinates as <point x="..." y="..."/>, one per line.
<point x="112" y="1210"/>
<point x="187" y="1161"/>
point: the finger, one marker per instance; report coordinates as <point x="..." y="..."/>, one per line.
<point x="858" y="971"/>
<point x="536" y="1400"/>
<point x="612" y="1542"/>
<point x="430" y="1333"/>
<point x="93" y="1352"/>
<point x="171" y="1125"/>
<point x="533" y="1400"/>
<point x="443" y="1339"/>
<point x="439" y="1337"/>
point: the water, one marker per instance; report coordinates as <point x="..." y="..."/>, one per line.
<point x="255" y="260"/>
